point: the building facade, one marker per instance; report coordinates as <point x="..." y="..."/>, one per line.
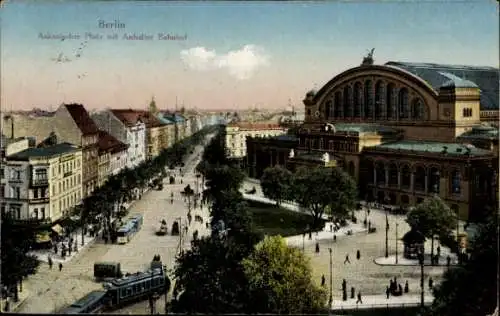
<point x="44" y="183"/>
<point x="406" y="131"/>
<point x="112" y="156"/>
<point x="70" y="123"/>
<point x="128" y="128"/>
<point x="236" y="134"/>
<point x="169" y="130"/>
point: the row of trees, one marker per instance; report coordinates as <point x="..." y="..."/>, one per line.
<point x="18" y="238"/>
<point x="319" y="190"/>
<point x="235" y="269"/>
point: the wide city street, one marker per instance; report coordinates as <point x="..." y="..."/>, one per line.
<point x="51" y="290"/>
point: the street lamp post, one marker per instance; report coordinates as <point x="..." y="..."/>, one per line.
<point x="422" y="287"/>
<point x="458" y="242"/>
<point x="330" y="300"/>
<point x="386" y="230"/>
<point x="397" y="224"/>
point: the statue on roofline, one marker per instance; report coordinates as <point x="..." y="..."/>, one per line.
<point x="368" y="59"/>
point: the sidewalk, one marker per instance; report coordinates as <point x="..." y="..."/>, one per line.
<point x="325" y="234"/>
<point x="391" y="260"/>
<point x="381" y="301"/>
<point x="13" y="306"/>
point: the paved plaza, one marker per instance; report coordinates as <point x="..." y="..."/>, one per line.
<point x="365" y="274"/>
<point x="51" y="290"/>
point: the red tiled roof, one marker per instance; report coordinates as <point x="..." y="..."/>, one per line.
<point x="109" y="143"/>
<point x="82" y="119"/>
<point x="130" y="117"/>
<point x="127" y="117"/>
<point x="149" y="119"/>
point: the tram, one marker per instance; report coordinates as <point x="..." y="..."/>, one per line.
<point x="132" y="225"/>
<point x="89" y="304"/>
<point x="122" y="291"/>
<point x="136" y="287"/>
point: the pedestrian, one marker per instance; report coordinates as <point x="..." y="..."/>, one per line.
<point x="358" y="255"/>
<point x="439" y="251"/>
<point x="400" y="289"/>
<point x="344" y="284"/>
<point x="431" y="283"/>
<point x="347" y="259"/>
<point x="448" y="261"/>
<point x="50" y="263"/>
<point x="359" y="298"/>
<point x="387" y="292"/>
<point x="334" y="238"/>
<point x="60" y="266"/>
<point x="331" y="227"/>
<point x="369" y="226"/>
<point x="407" y="288"/>
<point x="352" y="291"/>
<point x="310" y="235"/>
<point x="323" y="281"/>
<point x="317" y="247"/>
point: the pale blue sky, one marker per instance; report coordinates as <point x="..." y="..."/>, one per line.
<point x="294" y="47"/>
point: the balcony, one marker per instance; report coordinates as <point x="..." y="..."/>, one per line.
<point x="16" y="180"/>
<point x="67" y="174"/>
<point x="39" y="200"/>
<point x="39" y="182"/>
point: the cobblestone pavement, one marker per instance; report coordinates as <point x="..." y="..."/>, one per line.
<point x="53" y="289"/>
<point x="364" y="274"/>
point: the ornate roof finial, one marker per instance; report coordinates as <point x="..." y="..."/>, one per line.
<point x="368" y="59"/>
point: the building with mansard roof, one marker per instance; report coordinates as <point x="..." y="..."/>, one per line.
<point x="405" y="131"/>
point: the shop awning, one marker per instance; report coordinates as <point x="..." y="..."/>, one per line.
<point x="58" y="229"/>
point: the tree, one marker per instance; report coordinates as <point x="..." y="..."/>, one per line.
<point x="323" y="189"/>
<point x="276" y="183"/>
<point x="280" y="279"/>
<point x="15" y="244"/>
<point x="220" y="179"/>
<point x="471" y="289"/>
<point x="432" y="217"/>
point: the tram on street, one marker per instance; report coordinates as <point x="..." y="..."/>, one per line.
<point x="132" y="225"/>
<point x="135" y="287"/>
<point x="89" y="304"/>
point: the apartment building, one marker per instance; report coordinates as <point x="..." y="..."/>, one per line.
<point x="236" y="134"/>
<point x="112" y="156"/>
<point x="43" y="183"/>
<point x="70" y="123"/>
<point x="127" y="127"/>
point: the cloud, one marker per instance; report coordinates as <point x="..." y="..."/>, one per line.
<point x="241" y="64"/>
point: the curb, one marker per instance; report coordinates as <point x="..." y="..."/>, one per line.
<point x="413" y="265"/>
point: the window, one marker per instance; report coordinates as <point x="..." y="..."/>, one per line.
<point x="42" y="211"/>
<point x="16" y="192"/>
<point x="2" y="173"/>
<point x="35" y="193"/>
<point x="35" y="213"/>
<point x="467" y="112"/>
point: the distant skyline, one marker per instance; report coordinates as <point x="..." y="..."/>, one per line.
<point x="222" y="55"/>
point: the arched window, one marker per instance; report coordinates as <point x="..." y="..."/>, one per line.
<point x="328" y="109"/>
<point x="389" y="101"/>
<point x="379" y="99"/>
<point x="404" y="109"/>
<point x="417" y="109"/>
<point x="338" y="104"/>
<point x="352" y="169"/>
<point x="419" y="180"/>
<point x="358" y="99"/>
<point x="368" y="104"/>
<point x="405" y="177"/>
<point x="347" y="101"/>
<point x="393" y="174"/>
<point x="380" y="173"/>
<point x="455" y="182"/>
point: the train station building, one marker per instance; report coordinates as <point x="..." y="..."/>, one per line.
<point x="404" y="131"/>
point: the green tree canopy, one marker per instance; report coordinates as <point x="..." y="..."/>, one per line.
<point x="471" y="289"/>
<point x="324" y="189"/>
<point x="276" y="183"/>
<point x="432" y="217"/>
<point x="280" y="279"/>
<point x="15" y="244"/>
